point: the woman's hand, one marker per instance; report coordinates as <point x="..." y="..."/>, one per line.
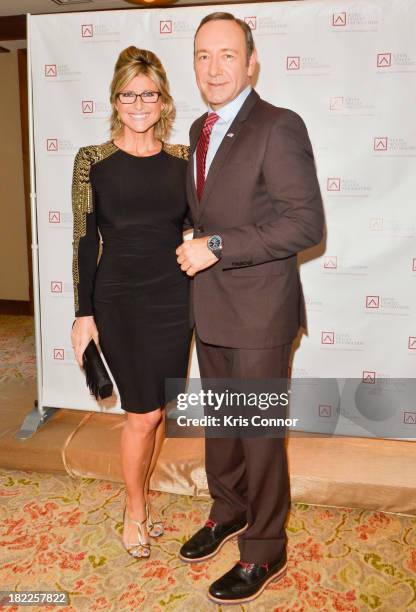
<point x="83" y="330"/>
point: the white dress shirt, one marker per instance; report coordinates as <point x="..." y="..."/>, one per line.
<point x="226" y="114"/>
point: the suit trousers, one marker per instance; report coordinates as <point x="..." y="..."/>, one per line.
<point x="248" y="478"/>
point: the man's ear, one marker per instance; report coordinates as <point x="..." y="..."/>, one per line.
<point x="252" y="63"/>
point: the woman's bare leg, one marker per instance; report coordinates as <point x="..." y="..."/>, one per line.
<point x="159" y="438"/>
<point x="137" y="446"/>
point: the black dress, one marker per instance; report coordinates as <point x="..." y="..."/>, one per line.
<point x="137" y="293"/>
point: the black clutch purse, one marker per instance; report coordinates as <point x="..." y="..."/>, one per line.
<point x="98" y="380"/>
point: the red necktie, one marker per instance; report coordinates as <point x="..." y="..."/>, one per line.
<point x="201" y="152"/>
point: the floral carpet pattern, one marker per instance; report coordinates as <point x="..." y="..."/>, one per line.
<point x="17" y="349"/>
<point x="59" y="533"/>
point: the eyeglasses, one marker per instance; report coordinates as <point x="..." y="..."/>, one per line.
<point x="129" y="97"/>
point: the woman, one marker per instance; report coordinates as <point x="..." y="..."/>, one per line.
<point x="131" y="191"/>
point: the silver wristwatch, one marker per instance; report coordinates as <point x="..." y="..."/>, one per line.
<point x="215" y="245"/>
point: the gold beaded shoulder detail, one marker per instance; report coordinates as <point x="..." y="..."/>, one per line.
<point x="177" y="150"/>
<point x="82" y="198"/>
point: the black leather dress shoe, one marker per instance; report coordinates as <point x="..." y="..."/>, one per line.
<point x="206" y="542"/>
<point x="246" y="581"/>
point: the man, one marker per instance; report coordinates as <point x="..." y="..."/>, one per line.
<point x="255" y="202"/>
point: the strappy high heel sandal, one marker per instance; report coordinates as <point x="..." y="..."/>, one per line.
<point x="154" y="528"/>
<point x="140" y="548"/>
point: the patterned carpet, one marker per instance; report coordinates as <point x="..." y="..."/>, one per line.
<point x="17" y="349"/>
<point x="57" y="533"/>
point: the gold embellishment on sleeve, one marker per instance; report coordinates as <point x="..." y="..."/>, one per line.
<point x="177" y="150"/>
<point x="82" y="198"/>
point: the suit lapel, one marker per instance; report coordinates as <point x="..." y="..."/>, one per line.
<point x="226" y="145"/>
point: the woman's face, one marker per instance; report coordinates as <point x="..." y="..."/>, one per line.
<point x="139" y="116"/>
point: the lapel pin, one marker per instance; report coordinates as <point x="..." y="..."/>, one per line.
<point x="230" y="135"/>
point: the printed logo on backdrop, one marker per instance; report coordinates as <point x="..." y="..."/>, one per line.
<point x="251" y="22"/>
<point x="57" y="218"/>
<point x="414" y="264"/>
<point x="60" y="289"/>
<point x="341" y="341"/>
<point x="390" y="62"/>
<point x="327" y="337"/>
<point x="333" y="184"/>
<point x="392" y="228"/>
<point x="266" y="25"/>
<point x="409" y="418"/>
<point x="165" y="26"/>
<point x="87" y="107"/>
<point x="52" y="145"/>
<point x="369" y="377"/>
<point x="60" y="146"/>
<point x="383" y="60"/>
<point x="54" y="216"/>
<point x="394" y="146"/>
<point x="293" y="62"/>
<point x="372" y="301"/>
<point x="380" y="143"/>
<point x="330" y="262"/>
<point x="51" y="70"/>
<point x="56" y="287"/>
<point x="325" y="411"/>
<point x="339" y="20"/>
<point x="59" y="354"/>
<point x="351" y="105"/>
<point x="307" y="65"/>
<point x="87" y="30"/>
<point x="58" y="73"/>
<point x="366" y="20"/>
<point x="383" y="305"/>
<point x="411" y="344"/>
<point x="63" y="356"/>
<point x="176" y="28"/>
<point x="99" y="33"/>
<point x="335" y="265"/>
<point x="347" y="187"/>
<point x="95" y="108"/>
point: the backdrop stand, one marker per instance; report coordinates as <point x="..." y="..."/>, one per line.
<point x="39" y="414"/>
<point x="33" y="420"/>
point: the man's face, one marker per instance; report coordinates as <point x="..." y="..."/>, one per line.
<point x="221" y="67"/>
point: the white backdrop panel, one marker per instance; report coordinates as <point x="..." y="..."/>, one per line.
<point x="348" y="68"/>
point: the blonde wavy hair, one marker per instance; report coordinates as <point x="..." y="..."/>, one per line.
<point x="130" y="63"/>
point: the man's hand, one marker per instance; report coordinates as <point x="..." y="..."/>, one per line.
<point x="194" y="256"/>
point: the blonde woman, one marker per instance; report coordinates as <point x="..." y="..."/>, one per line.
<point x="131" y="192"/>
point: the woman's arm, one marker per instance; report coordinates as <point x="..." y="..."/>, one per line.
<point x="85" y="254"/>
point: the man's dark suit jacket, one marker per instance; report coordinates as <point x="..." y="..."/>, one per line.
<point x="262" y="196"/>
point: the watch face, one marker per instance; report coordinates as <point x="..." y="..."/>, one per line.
<point x="215" y="243"/>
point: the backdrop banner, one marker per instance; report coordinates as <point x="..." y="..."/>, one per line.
<point x="349" y="69"/>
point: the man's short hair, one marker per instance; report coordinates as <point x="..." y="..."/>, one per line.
<point x="219" y="16"/>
